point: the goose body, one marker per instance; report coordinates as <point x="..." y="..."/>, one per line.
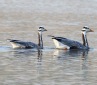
<point x="68" y="44"/>
<point x="72" y="44"/>
<point x="24" y="44"/>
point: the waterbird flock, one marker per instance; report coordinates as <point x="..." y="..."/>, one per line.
<point x="60" y="42"/>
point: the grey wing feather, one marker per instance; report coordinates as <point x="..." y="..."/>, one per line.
<point x="70" y="43"/>
<point x="23" y="43"/>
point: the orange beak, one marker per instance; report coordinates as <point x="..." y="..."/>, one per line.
<point x="91" y="30"/>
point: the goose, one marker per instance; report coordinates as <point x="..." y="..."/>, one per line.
<point x="23" y="44"/>
<point x="64" y="43"/>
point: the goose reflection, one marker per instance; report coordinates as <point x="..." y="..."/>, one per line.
<point x="39" y="55"/>
<point x="61" y="54"/>
<point x="26" y="54"/>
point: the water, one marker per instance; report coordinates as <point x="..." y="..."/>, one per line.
<point x="20" y="19"/>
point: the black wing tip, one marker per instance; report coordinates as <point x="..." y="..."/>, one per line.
<point x="57" y="38"/>
<point x="11" y="40"/>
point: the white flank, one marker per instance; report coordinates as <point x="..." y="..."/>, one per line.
<point x="15" y="45"/>
<point x="60" y="45"/>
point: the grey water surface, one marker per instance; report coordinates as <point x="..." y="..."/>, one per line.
<point x="20" y="19"/>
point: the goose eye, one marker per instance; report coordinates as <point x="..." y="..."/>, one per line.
<point x="41" y="27"/>
<point x="86" y="28"/>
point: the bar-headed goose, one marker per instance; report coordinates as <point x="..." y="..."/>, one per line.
<point x="72" y="44"/>
<point x="23" y="44"/>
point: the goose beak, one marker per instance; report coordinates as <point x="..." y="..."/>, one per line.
<point x="45" y="29"/>
<point x="91" y="30"/>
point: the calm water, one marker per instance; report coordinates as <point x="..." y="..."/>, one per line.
<point x="20" y="19"/>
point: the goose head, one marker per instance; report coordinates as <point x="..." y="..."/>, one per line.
<point x="87" y="29"/>
<point x="41" y="29"/>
